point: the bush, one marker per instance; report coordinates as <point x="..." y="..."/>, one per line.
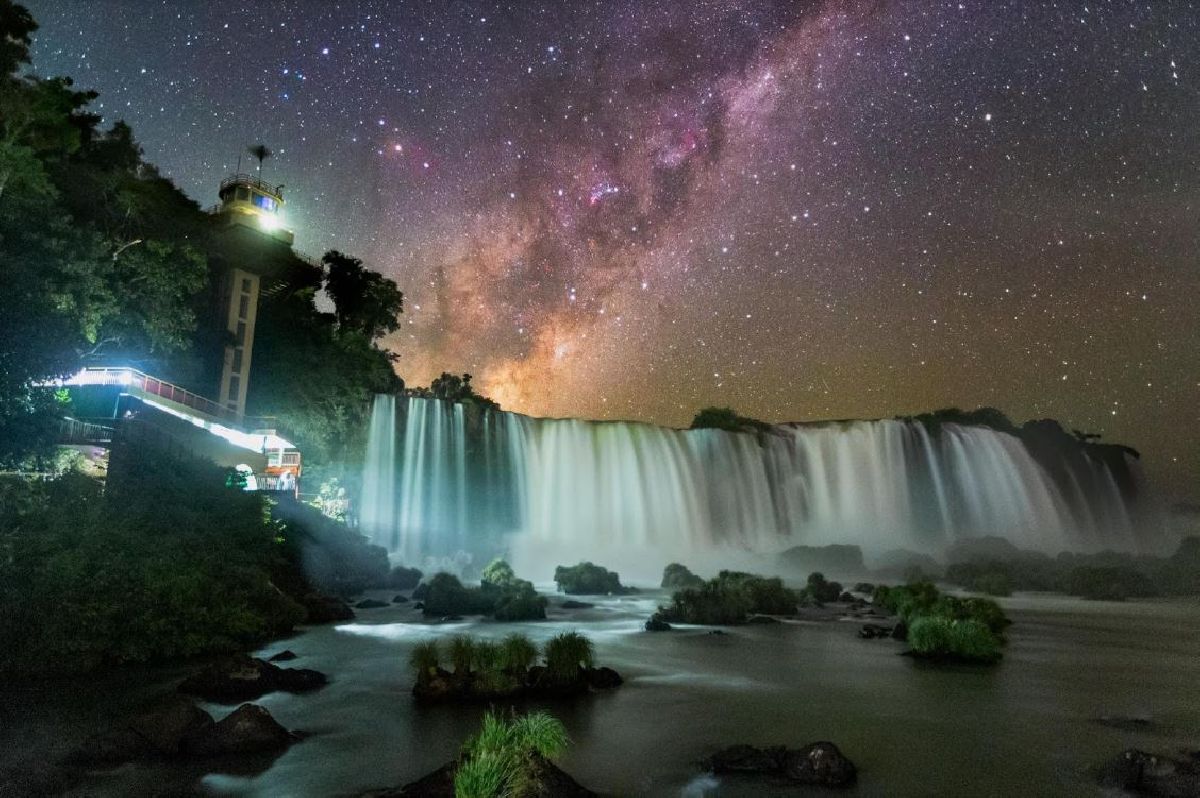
<point x="519" y="602"/>
<point x="566" y="654"/>
<point x="724" y="418"/>
<point x="445" y="595"/>
<point x="821" y="590"/>
<point x="462" y="654"/>
<point x="939" y="637"/>
<point x="729" y="599"/>
<point x="501" y="759"/>
<point x="425" y="659"/>
<point x="497" y="574"/>
<point x="588" y="579"/>
<point x="677" y="577"/>
<point x="517" y="653"/>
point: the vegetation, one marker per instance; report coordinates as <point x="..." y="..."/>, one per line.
<point x="969" y="629"/>
<point x="588" y="579"/>
<point x="677" y="577"/>
<point x="487" y="670"/>
<point x="939" y="637"/>
<point x="566" y="654"/>
<point x="402" y="578"/>
<point x="820" y="590"/>
<point x="504" y="758"/>
<point x="454" y="388"/>
<point x="500" y="594"/>
<point x="726" y="419"/>
<point x="730" y="598"/>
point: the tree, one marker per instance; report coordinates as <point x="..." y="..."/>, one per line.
<point x="260" y="152"/>
<point x="364" y="300"/>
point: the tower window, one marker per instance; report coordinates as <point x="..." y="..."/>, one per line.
<point x="237" y="359"/>
<point x="235" y="382"/>
<point x="241" y="333"/>
<point x="243" y="306"/>
<point x="266" y="203"/>
<point x="245" y="285"/>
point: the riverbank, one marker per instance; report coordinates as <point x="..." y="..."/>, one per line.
<point x="1029" y="724"/>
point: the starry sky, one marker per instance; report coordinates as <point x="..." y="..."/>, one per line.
<point x="804" y="210"/>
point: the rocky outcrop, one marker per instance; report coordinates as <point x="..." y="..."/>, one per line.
<point x="249" y="729"/>
<point x="241" y="678"/>
<point x="655" y="623"/>
<point x="572" y="604"/>
<point x="370" y="604"/>
<point x="818" y="764"/>
<point x="870" y="631"/>
<point x="537" y="682"/>
<point x="326" y="609"/>
<point x="1144" y="773"/>
<point x="283" y="656"/>
<point x="546" y="780"/>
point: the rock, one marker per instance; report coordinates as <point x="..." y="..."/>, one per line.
<point x="603" y="678"/>
<point x="418" y="606"/>
<point x="326" y="609"/>
<point x="761" y="620"/>
<point x="110" y="749"/>
<point x="1125" y="724"/>
<point x="546" y="781"/>
<point x="747" y="759"/>
<point x="656" y="624"/>
<point x="870" y="631"/>
<point x="370" y="604"/>
<point x="719" y="632"/>
<point x="449" y="619"/>
<point x="400" y="600"/>
<point x="819" y="764"/>
<point x="240" y="678"/>
<point x="571" y="604"/>
<point x="248" y="729"/>
<point x="900" y="631"/>
<point x="165" y="725"/>
<point x="846" y="597"/>
<point x="283" y="656"/>
<point x="1152" y="774"/>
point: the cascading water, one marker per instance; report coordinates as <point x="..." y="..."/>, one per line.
<point x="446" y="479"/>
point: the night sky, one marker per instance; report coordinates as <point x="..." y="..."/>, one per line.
<point x="801" y="210"/>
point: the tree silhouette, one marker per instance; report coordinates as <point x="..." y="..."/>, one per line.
<point x="261" y="152"/>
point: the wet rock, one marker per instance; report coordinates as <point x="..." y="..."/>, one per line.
<point x="400" y="600"/>
<point x="241" y="678"/>
<point x="546" y="780"/>
<point x="720" y="632"/>
<point x="326" y="609"/>
<point x="370" y="604"/>
<point x="165" y="726"/>
<point x="870" y="631"/>
<point x="418" y="606"/>
<point x="816" y="764"/>
<point x="450" y="619"/>
<point x="747" y="759"/>
<point x="656" y="624"/>
<point x="762" y="620"/>
<point x="283" y="656"/>
<point x="249" y="729"/>
<point x="819" y="764"/>
<point x="900" y="631"/>
<point x="572" y="604"/>
<point x="603" y="678"/>
<point x="1145" y="773"/>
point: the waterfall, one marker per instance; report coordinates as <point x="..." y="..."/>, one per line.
<point x="448" y="478"/>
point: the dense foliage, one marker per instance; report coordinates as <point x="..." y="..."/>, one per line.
<point x="821" y="590"/>
<point x="500" y="594"/>
<point x="730" y="598"/>
<point x="588" y="579"/>
<point x="504" y="758"/>
<point x="677" y="577"/>
<point x="948" y="627"/>
<point x="726" y="419"/>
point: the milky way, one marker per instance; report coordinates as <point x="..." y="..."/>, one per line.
<point x="801" y="210"/>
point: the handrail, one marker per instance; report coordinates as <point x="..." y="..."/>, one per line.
<point x="243" y="178"/>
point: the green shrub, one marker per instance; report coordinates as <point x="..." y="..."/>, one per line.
<point x="939" y="637"/>
<point x="484" y="775"/>
<point x="501" y="760"/>
<point x="677" y="577"/>
<point x="519" y="602"/>
<point x="462" y="654"/>
<point x="517" y="653"/>
<point x="485" y="656"/>
<point x="425" y="659"/>
<point x="566" y="653"/>
<point x="729" y="599"/>
<point x="822" y="590"/>
<point x="588" y="579"/>
<point x="497" y="574"/>
<point x="444" y="594"/>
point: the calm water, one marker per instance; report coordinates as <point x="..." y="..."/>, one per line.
<point x="1024" y="728"/>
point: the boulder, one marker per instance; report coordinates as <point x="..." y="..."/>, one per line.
<point x="419" y="606"/>
<point x="762" y="620"/>
<point x="400" y="600"/>
<point x="571" y="604"/>
<point x="846" y="597"/>
<point x="241" y="678"/>
<point x="326" y="609"/>
<point x="603" y="678"/>
<point x="165" y="725"/>
<point x="870" y="631"/>
<point x="111" y="749"/>
<point x="656" y="624"/>
<point x="820" y="764"/>
<point x="283" y="656"/>
<point x="249" y="729"/>
<point x="546" y="780"/>
<point x="449" y="619"/>
<point x="370" y="604"/>
<point x="1145" y="773"/>
<point x="747" y="759"/>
